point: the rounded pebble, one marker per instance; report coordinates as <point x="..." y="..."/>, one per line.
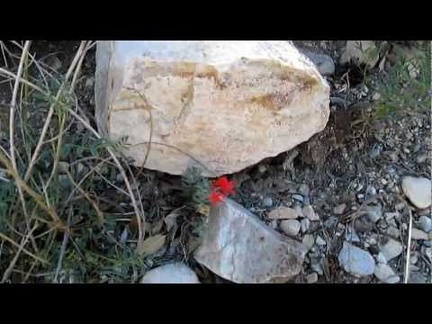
<point x="304" y="225"/>
<point x="320" y="241"/>
<point x="291" y="227"/>
<point x="385" y="274"/>
<point x="418" y="191"/>
<point x="268" y="201"/>
<point x="391" y="249"/>
<point x="425" y="223"/>
<point x="312" y="278"/>
<point x="171" y="273"/>
<point x="356" y="261"/>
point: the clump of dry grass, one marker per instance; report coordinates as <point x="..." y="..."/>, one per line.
<point x="59" y="221"/>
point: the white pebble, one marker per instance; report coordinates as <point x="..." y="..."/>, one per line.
<point x="290" y="226"/>
<point x="320" y="241"/>
<point x="418" y="191"/>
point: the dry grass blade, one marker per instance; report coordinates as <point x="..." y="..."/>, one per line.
<point x="152" y="244"/>
<point x="181" y="151"/>
<point x="51" y="111"/>
<point x="139" y="213"/>
<point x="9" y="269"/>
<point x="26" y="82"/>
<point x="21" y="184"/>
<point x="86" y="196"/>
<point x="4" y="237"/>
<point x="62" y="249"/>
<point x="13" y="106"/>
<point x="408" y="253"/>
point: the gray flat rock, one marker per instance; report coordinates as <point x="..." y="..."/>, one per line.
<point x="239" y="247"/>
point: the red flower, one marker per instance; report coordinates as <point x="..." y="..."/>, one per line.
<point x="224" y="185"/>
<point x="215" y="198"/>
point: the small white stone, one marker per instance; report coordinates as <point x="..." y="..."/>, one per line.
<point x="312" y="278"/>
<point x="418" y="191"/>
<point x="417" y="234"/>
<point x="385" y="274"/>
<point x="389" y="216"/>
<point x="304" y="225"/>
<point x="400" y="206"/>
<point x="170" y="273"/>
<point x="309" y="212"/>
<point x="374" y="213"/>
<point x="393" y="231"/>
<point x="320" y="241"/>
<point x="376" y="96"/>
<point x="339" y="209"/>
<point x="308" y="241"/>
<point x="290" y="226"/>
<point x="268" y="201"/>
<point x="262" y="168"/>
<point x="356" y="261"/>
<point x="391" y="249"/>
<point x="425" y="223"/>
<point x="283" y="213"/>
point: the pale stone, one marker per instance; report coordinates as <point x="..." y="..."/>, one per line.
<point x="309" y="212"/>
<point x="418" y="191"/>
<point x="308" y="241"/>
<point x="239" y="247"/>
<point x="417" y="234"/>
<point x="312" y="278"/>
<point x="171" y="273"/>
<point x="339" y="209"/>
<point x="385" y="274"/>
<point x="291" y="227"/>
<point x="283" y="213"/>
<point x="227" y="104"/>
<point x="425" y="223"/>
<point x="391" y="249"/>
<point x="356" y="261"/>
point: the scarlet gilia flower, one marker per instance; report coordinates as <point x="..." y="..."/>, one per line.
<point x="224" y="185"/>
<point x="221" y="188"/>
<point x="215" y="198"/>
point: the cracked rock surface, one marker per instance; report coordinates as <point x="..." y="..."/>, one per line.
<point x="241" y="248"/>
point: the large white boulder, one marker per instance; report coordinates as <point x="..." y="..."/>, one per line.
<point x="228" y="104"/>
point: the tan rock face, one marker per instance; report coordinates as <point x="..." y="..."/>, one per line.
<point x="226" y="104"/>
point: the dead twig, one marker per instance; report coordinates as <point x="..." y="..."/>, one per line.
<point x="408" y="253"/>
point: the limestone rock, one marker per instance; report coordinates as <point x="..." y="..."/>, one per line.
<point x="391" y="249"/>
<point x="385" y="273"/>
<point x="418" y="191"/>
<point x="227" y="104"/>
<point x="283" y="213"/>
<point x="290" y="226"/>
<point x="170" y="273"/>
<point x="355" y="260"/>
<point x="239" y="247"/>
